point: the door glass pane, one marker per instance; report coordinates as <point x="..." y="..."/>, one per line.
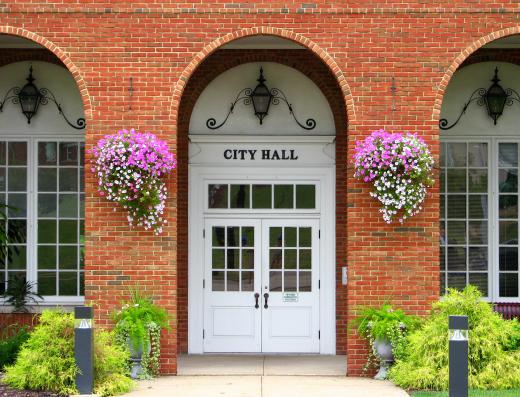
<point x="275" y="281"/>
<point x="218" y="196"/>
<point x="239" y="197"/>
<point x="248" y="237"/>
<point x="218" y="258"/>
<point x="305" y="282"/>
<point x="291" y="258"/>
<point x="262" y="196"/>
<point x="290" y="236"/>
<point x="508" y="206"/>
<point x="218" y="281"/>
<point x="480" y="280"/>
<point x="306" y="196"/>
<point x="233" y="283"/>
<point x="218" y="236"/>
<point x="247" y="282"/>
<point x="289" y="281"/>
<point x="232" y="258"/>
<point x="283" y="196"/>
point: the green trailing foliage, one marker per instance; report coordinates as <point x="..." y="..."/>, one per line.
<point x="384" y="323"/>
<point x="494" y="355"/>
<point x="11" y="341"/>
<point x="46" y="361"/>
<point x="135" y="316"/>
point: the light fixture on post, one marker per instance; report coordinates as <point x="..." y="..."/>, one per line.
<point x="495" y="98"/>
<point x="261" y="97"/>
<point x="30" y="98"/>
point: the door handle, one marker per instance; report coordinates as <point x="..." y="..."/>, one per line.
<point x="257" y="295"/>
<point x="266" y="297"/>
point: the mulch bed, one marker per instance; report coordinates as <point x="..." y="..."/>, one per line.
<point x="6" y="391"/>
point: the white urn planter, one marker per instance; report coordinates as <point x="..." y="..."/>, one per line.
<point x="383" y="349"/>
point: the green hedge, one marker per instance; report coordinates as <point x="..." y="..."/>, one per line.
<point x="46" y="361"/>
<point x="494" y="351"/>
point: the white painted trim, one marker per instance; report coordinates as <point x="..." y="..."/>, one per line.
<point x="261" y="139"/>
<point x="198" y="176"/>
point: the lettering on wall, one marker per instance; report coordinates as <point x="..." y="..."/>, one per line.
<point x="260" y="154"/>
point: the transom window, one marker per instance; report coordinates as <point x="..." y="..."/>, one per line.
<point x="42" y="180"/>
<point x="284" y="196"/>
<point x="479" y="216"/>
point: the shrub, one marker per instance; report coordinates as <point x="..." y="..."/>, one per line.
<point x="12" y="339"/>
<point x="494" y="358"/>
<point x="46" y="361"/>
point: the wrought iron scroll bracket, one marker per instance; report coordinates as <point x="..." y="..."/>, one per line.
<point x="279" y="95"/>
<point x="13" y="98"/>
<point x="49" y="96"/>
<point x="477" y="95"/>
<point x="243" y="95"/>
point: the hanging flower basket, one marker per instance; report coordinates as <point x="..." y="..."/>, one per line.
<point x="399" y="165"/>
<point x="129" y="166"/>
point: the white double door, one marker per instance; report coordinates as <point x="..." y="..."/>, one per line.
<point x="261" y="291"/>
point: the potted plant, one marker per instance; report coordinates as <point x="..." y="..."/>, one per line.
<point x="399" y="165"/>
<point x="130" y="167"/>
<point x="138" y="327"/>
<point x="385" y="328"/>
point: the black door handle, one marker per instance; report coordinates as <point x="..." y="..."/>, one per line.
<point x="257" y="295"/>
<point x="266" y="297"/>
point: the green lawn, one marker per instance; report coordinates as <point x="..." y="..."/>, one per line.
<point x="472" y="393"/>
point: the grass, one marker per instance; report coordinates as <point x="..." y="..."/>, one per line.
<point x="472" y="393"/>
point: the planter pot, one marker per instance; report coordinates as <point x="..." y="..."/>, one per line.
<point x="383" y="350"/>
<point x="136" y="357"/>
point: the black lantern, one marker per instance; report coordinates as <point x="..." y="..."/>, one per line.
<point x="495" y="98"/>
<point x="30" y="98"/>
<point x="261" y="97"/>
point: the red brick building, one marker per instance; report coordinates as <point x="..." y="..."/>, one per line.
<point x="270" y="208"/>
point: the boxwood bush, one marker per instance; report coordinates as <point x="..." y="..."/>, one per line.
<point x="494" y="347"/>
<point x="46" y="361"/>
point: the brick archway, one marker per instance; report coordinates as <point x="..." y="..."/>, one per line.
<point x="265" y="31"/>
<point x="208" y="64"/>
<point x="63" y="57"/>
<point x="460" y="59"/>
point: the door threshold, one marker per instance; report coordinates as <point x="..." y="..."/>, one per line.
<point x="262" y="364"/>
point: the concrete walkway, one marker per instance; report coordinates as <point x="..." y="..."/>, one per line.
<point x="264" y="376"/>
<point x="265" y="386"/>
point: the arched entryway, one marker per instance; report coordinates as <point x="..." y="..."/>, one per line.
<point x="42" y="168"/>
<point x="238" y="60"/>
<point x="479" y="219"/>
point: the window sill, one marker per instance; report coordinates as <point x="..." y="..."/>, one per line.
<point x="67" y="304"/>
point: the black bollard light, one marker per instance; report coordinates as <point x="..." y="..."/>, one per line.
<point x="458" y="334"/>
<point x="84" y="348"/>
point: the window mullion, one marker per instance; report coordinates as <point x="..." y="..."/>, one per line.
<point x="32" y="208"/>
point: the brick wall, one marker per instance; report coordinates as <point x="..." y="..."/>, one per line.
<point x="158" y="45"/>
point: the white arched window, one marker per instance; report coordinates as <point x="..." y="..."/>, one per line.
<point x="479" y="188"/>
<point x="42" y="180"/>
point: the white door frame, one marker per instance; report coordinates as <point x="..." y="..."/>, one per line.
<point x="323" y="174"/>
